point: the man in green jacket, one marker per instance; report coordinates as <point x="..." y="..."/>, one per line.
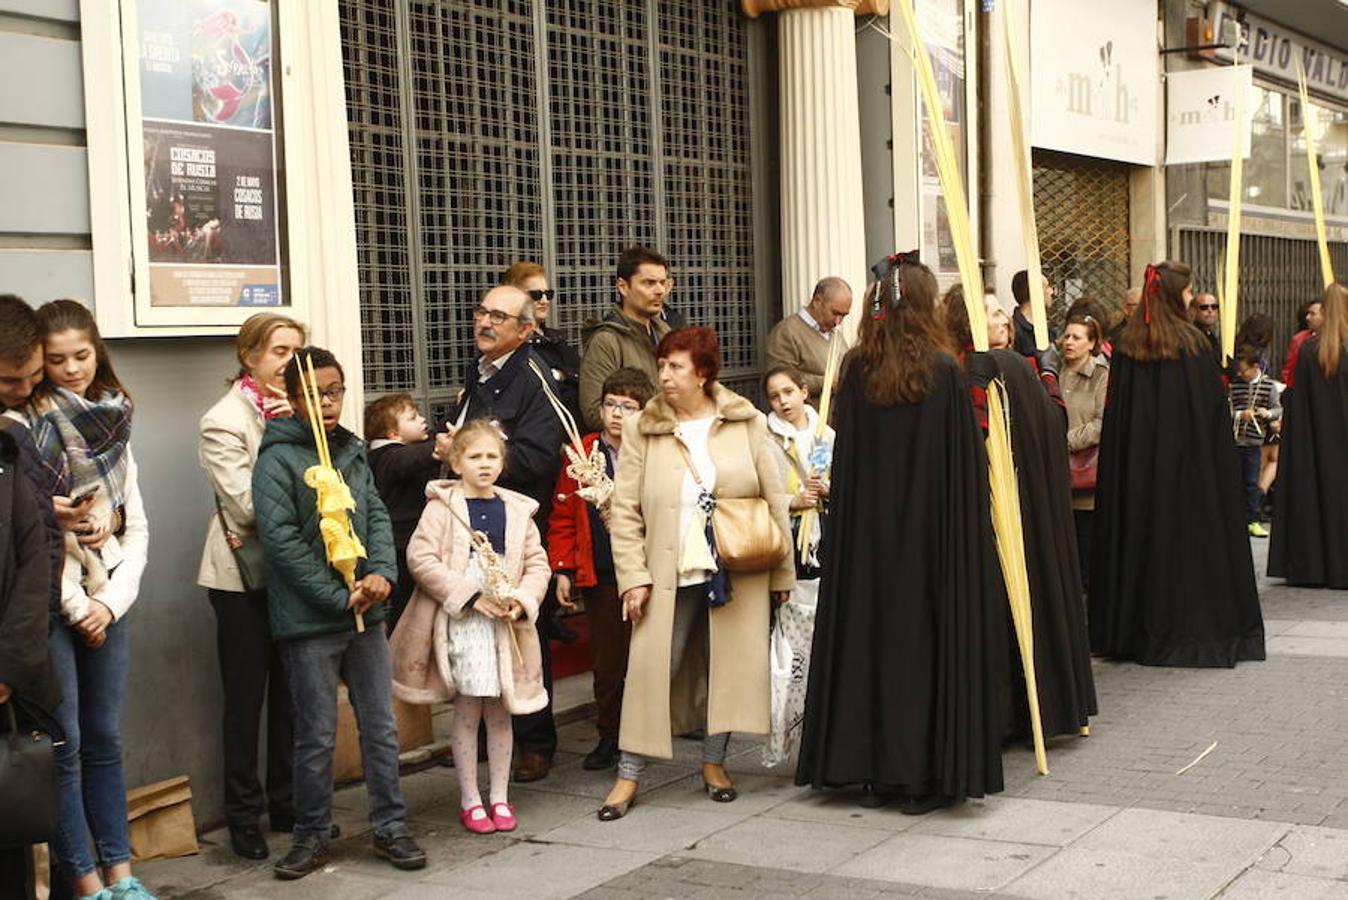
<point x="313" y="622"/>
<point x="627" y="336"/>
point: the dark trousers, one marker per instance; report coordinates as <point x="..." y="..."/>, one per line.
<point x="609" y="638"/>
<point x="537" y="731"/>
<point x="16" y="872"/>
<point x="402" y="591"/>
<point x="1249" y="470"/>
<point x="1083" y="519"/>
<point x="250" y="670"/>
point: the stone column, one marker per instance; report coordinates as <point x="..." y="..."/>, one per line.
<point x="823" y="225"/>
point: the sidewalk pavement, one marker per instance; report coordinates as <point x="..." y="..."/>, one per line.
<point x="1260" y="812"/>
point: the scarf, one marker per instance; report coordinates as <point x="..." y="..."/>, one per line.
<point x="253" y="391"/>
<point x="82" y="442"/>
<point x="805" y="457"/>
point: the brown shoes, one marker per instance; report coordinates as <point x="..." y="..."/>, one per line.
<point x="531" y="767"/>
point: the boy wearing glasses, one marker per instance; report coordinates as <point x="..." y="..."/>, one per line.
<point x="311" y="612"/>
<point x="582" y="559"/>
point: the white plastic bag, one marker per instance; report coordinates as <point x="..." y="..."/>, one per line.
<point x="792" y="637"/>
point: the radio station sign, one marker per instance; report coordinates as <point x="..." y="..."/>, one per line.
<point x="1273" y="51"/>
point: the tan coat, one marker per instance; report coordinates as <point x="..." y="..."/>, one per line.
<point x="231" y="432"/>
<point x="644" y="529"/>
<point x="437" y="557"/>
<point x="1084" y="393"/>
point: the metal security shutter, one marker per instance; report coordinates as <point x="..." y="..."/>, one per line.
<point x="491" y="131"/>
<point x="1277" y="275"/>
<point x="1081" y="208"/>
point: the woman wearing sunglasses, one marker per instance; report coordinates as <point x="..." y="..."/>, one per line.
<point x="549" y="343"/>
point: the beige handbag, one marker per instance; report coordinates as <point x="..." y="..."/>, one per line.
<point x="748" y="538"/>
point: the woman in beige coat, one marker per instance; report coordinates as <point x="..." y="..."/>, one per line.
<point x="667" y="592"/>
<point x="1085" y="382"/>
<point x="250" y="668"/>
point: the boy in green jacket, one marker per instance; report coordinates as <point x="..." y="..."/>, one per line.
<point x="312" y="621"/>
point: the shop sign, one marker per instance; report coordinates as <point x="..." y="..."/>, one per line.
<point x="1201" y="113"/>
<point x="207" y="98"/>
<point x="1273" y="51"/>
<point x="1094" y="80"/>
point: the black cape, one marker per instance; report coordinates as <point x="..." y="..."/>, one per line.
<point x="908" y="675"/>
<point x="1172" y="581"/>
<point x="1062" y="653"/>
<point x="1310" y="505"/>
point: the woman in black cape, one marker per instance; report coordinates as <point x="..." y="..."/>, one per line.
<point x="1062" y="653"/>
<point x="1172" y="581"/>
<point x="907" y="686"/>
<point x="1310" y="507"/>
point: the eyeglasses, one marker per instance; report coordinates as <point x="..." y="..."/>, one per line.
<point x="625" y="409"/>
<point x="496" y="316"/>
<point x="1206" y="305"/>
<point x="544" y="294"/>
<point x="332" y="395"/>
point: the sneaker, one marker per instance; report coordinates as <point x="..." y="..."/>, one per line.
<point x="1257" y="530"/>
<point x="307" y="854"/>
<point x="401" y="851"/>
<point x="130" y="888"/>
<point x="103" y="894"/>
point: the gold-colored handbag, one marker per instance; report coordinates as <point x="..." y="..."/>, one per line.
<point x="748" y="538"/>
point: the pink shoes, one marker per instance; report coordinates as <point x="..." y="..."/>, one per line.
<point x="503" y="816"/>
<point x="476" y="820"/>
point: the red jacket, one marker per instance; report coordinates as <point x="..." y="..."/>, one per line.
<point x="570" y="545"/>
<point x="1289" y="368"/>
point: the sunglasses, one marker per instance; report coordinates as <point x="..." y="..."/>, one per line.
<point x="545" y="294"/>
<point x="1206" y="305"/>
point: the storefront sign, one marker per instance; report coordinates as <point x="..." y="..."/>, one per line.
<point x="210" y="154"/>
<point x="1094" y="78"/>
<point x="1274" y="50"/>
<point x="1201" y="113"/>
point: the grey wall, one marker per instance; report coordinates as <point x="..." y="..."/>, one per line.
<point x="173" y="706"/>
<point x="172" y="723"/>
<point x="877" y="155"/>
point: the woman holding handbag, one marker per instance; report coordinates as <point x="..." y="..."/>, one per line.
<point x="1085" y="382"/>
<point x="699" y="530"/>
<point x="231" y="571"/>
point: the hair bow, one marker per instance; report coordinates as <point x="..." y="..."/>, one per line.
<point x="1151" y="291"/>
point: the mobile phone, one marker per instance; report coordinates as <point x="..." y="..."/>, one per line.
<point x="78" y="497"/>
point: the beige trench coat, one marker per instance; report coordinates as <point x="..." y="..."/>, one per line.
<point x="644" y="529"/>
<point x="231" y="432"/>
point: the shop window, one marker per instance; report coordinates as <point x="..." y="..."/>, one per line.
<point x="1265" y="173"/>
<point x="1330" y="127"/>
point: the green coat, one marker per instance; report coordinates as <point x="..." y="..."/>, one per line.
<point x="610" y="344"/>
<point x="306" y="596"/>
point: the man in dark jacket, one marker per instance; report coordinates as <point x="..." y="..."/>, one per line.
<point x="25" y="588"/>
<point x="313" y="619"/>
<point x="500" y="386"/>
<point x="1022" y="340"/>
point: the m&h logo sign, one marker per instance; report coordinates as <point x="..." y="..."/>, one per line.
<point x="1100" y="94"/>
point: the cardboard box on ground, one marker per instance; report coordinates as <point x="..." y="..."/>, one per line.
<point x="414" y="730"/>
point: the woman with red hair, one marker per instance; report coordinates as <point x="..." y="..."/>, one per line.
<point x="695" y="444"/>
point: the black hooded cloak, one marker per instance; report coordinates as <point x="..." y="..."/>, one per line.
<point x="907" y="682"/>
<point x="1062" y="653"/>
<point x="1172" y="581"/>
<point x="1310" y="506"/>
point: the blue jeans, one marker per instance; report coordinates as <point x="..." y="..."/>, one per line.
<point x="1249" y="469"/>
<point x="313" y="666"/>
<point x="90" y="785"/>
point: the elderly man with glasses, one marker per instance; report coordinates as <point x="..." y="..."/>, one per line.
<point x="499" y="385"/>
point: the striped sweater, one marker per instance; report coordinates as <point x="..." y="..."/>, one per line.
<point x="1260" y="394"/>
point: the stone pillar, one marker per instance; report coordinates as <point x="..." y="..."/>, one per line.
<point x="823" y="220"/>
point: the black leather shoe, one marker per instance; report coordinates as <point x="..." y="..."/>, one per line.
<point x="401" y="851"/>
<point x="721" y="794"/>
<point x="603" y="756"/>
<point x="920" y="804"/>
<point x="248" y="842"/>
<point x="306" y="855"/>
<point x="873" y="797"/>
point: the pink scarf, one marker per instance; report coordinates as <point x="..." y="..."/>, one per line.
<point x="255" y="395"/>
